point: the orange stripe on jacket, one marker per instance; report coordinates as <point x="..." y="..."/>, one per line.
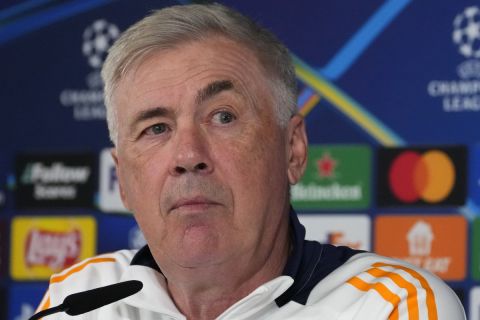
<point x="78" y="268"/>
<point x="412" y="297"/>
<point x="44" y="305"/>
<point x="431" y="304"/>
<point x="384" y="292"/>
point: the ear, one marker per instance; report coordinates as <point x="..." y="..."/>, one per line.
<point x="114" y="154"/>
<point x="297" y="149"/>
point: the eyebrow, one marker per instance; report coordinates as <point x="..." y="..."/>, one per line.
<point x="209" y="91"/>
<point x="149" y="114"/>
<point x="212" y="89"/>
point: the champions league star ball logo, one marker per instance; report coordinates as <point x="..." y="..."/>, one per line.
<point x="97" y="39"/>
<point x="466" y="32"/>
<point x="87" y="103"/>
<point x="463" y="93"/>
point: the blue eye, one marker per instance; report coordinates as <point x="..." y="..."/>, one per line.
<point x="156" y="129"/>
<point x="224" y="117"/>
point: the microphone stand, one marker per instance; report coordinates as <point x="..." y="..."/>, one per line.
<point x="49" y="311"/>
<point x="85" y="301"/>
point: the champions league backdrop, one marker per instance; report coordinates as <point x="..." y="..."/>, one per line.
<point x="390" y="90"/>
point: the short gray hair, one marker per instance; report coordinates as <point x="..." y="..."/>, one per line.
<point x="172" y="26"/>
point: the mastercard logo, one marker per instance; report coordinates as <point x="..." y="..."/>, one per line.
<point x="427" y="176"/>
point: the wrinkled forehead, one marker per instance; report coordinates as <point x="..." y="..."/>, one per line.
<point x="211" y="45"/>
<point x="214" y="56"/>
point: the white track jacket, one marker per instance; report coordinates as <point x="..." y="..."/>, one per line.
<point x="319" y="282"/>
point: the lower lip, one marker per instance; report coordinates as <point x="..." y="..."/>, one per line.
<point x="194" y="207"/>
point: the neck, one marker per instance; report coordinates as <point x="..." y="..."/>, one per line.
<point x="220" y="286"/>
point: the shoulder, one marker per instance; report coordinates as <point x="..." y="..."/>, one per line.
<point x="98" y="270"/>
<point x="371" y="284"/>
<point x="91" y="273"/>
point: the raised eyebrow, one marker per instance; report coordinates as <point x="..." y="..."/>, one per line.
<point x="149" y="114"/>
<point x="212" y="89"/>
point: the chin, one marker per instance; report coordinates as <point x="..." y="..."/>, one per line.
<point x="199" y="243"/>
<point x="194" y="259"/>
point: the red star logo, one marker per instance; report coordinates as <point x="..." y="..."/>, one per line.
<point x="326" y="166"/>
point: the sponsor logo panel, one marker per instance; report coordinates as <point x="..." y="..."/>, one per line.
<point x="422" y="176"/>
<point x="86" y="102"/>
<point x="351" y="230"/>
<point x="474" y="304"/>
<point x="476" y="249"/>
<point x="461" y="93"/>
<point x="126" y="235"/>
<point x="47" y="181"/>
<point x="109" y="200"/>
<point x="435" y="242"/>
<point x="337" y="176"/>
<point x="24" y="299"/>
<point x="45" y="245"/>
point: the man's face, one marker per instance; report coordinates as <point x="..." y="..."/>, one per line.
<point x="201" y="160"/>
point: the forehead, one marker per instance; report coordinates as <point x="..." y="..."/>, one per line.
<point x="214" y="57"/>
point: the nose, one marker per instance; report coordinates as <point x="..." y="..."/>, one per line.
<point x="191" y="153"/>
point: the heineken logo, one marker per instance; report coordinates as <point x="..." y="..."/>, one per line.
<point x="326" y="166"/>
<point x="334" y="191"/>
<point x="337" y="176"/>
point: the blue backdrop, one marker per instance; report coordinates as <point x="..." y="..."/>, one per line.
<point x="380" y="73"/>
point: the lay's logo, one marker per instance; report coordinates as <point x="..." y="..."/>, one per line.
<point x="56" y="250"/>
<point x="422" y="176"/>
<point x="42" y="246"/>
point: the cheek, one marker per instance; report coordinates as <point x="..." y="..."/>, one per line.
<point x="142" y="177"/>
<point x="256" y="163"/>
<point x="142" y="189"/>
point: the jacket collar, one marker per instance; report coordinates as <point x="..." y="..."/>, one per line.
<point x="309" y="262"/>
<point x="276" y="289"/>
<point x="297" y="233"/>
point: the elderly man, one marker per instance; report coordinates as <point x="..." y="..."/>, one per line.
<point x="201" y="110"/>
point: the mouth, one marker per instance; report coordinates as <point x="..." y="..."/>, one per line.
<point x="193" y="204"/>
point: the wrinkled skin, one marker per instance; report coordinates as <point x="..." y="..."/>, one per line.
<point x="205" y="168"/>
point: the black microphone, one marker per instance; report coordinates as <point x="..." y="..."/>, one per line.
<point x="89" y="300"/>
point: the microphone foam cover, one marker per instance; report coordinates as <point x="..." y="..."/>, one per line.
<point x="89" y="300"/>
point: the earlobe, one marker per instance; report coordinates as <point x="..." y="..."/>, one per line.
<point x="297" y="144"/>
<point x="113" y="152"/>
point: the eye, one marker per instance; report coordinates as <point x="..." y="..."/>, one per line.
<point x="224" y="117"/>
<point x="156" y="129"/>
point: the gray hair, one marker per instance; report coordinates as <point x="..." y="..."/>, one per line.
<point x="172" y="26"/>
